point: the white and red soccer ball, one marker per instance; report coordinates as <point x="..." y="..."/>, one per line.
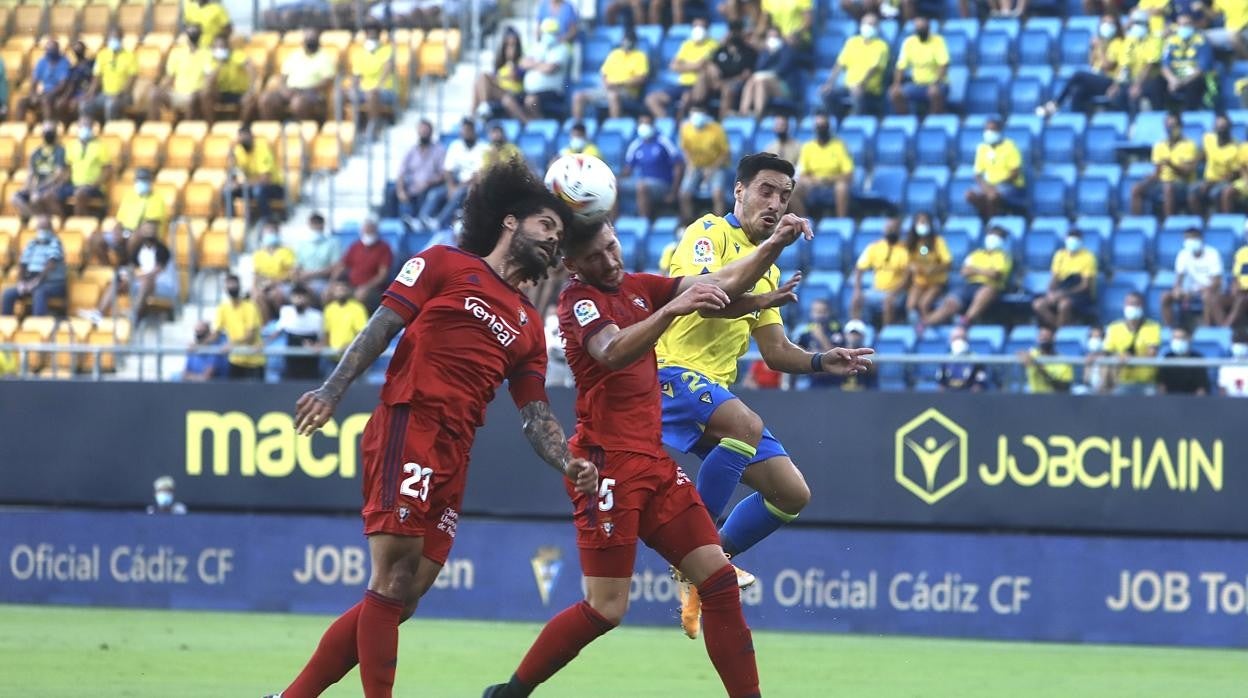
<point x="585" y="183"/>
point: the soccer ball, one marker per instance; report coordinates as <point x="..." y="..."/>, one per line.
<point x="585" y="183"/>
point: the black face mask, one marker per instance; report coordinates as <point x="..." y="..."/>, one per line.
<point x="891" y="238"/>
<point x="782" y="136"/>
<point x="232" y="292"/>
<point x="201" y="338"/>
<point x="53" y="54"/>
<point x="247" y="145"/>
<point x="426" y="140"/>
<point x="1176" y="133"/>
<point x="923" y="34"/>
<point x="823" y="133"/>
<point x="1046" y="347"/>
<point x="470" y="141"/>
<point x="80" y="53"/>
<point x="193" y="40"/>
<point x="627" y="45"/>
<point x="311" y="46"/>
<point x="301" y="307"/>
<point x="1224" y="136"/>
<point x="49" y="137"/>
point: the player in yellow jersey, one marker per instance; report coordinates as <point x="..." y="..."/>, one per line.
<point x="698" y="361"/>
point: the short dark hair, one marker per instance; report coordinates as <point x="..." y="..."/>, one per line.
<point x="578" y="126"/>
<point x="300" y="290"/>
<point x="750" y="165"/>
<point x="1194" y="231"/>
<point x="508" y="188"/>
<point x="232" y="277"/>
<point x="316" y="219"/>
<point x="581" y="233"/>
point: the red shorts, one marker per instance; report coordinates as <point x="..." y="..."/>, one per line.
<point x="640" y="497"/>
<point x="414" y="477"/>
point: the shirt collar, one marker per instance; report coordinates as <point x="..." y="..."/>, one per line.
<point x="731" y="219"/>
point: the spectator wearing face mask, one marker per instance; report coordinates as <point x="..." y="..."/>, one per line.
<point x="210" y="16"/>
<point x="1236" y="300"/>
<point x="1133" y="336"/>
<point x="689" y="63"/>
<point x="112" y="84"/>
<point x="999" y="180"/>
<point x="731" y="66"/>
<point x="624" y="73"/>
<point x="1225" y="161"/>
<point x="421" y="188"/>
<point x="303" y="326"/>
<point x="50" y="73"/>
<point x="775" y="76"/>
<point x="373" y="87"/>
<point x="854" y="338"/>
<point x="1072" y="285"/>
<point x="48" y="174"/>
<point x="165" y="501"/>
<point x="1105" y="64"/>
<point x="783" y="143"/>
<point x="1197" y="282"/>
<point x="1046" y="378"/>
<point x="304" y="83"/>
<point x="255" y="176"/>
<point x="345" y="317"/>
<point x="273" y="266"/>
<point x="1097" y="376"/>
<point x="656" y="164"/>
<point x="545" y="76"/>
<point x="366" y="265"/>
<point x="140" y="204"/>
<point x="40" y="272"/>
<point x="1187" y="66"/>
<point x="1140" y="84"/>
<point x="963" y="375"/>
<point x="706" y="153"/>
<point x="1182" y="380"/>
<point x="986" y="272"/>
<point x="71" y="97"/>
<point x="1233" y="378"/>
<point x="793" y="19"/>
<point x="579" y="143"/>
<point x="825" y="171"/>
<point x="150" y="274"/>
<point x="238" y="321"/>
<point x="230" y="80"/>
<point x="89" y="169"/>
<point x="930" y="261"/>
<point x="862" y="62"/>
<point x="203" y="360"/>
<point x="920" y="81"/>
<point x="889" y="259"/>
<point x="1175" y="158"/>
<point x="465" y="157"/>
<point x="185" y="77"/>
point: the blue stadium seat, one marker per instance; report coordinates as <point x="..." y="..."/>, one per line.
<point x="955" y="195"/>
<point x="1027" y="93"/>
<point x="595" y="54"/>
<point x="1130" y="177"/>
<point x="935" y="340"/>
<point x="820" y="285"/>
<point x="792" y="259"/>
<point x="986" y="339"/>
<point x="1035" y="47"/>
<point x="1052" y="26"/>
<point x="613" y="34"/>
<point x="1149" y="127"/>
<point x="667" y="126"/>
<point x="860" y="147"/>
<point x="591" y="129"/>
<point x="966" y="27"/>
<point x="1129" y="250"/>
<point x="1039" y="246"/>
<point x="511" y="128"/>
<point x="665" y="227"/>
<point x="888" y="183"/>
<point x="907" y="123"/>
<point x="983" y="96"/>
<point x="1099" y="226"/>
<point x="959" y="46"/>
<point x="668" y="49"/>
<point x="959" y="82"/>
<point x="959" y="242"/>
<point x="923" y="194"/>
<point x="1212" y="342"/>
<point x="1035" y="282"/>
<point x="546" y="128"/>
<point x="1050" y="224"/>
<point x="828" y="248"/>
<point x="970" y="226"/>
<point x="1094" y="196"/>
<point x="949" y="123"/>
<point x="1170" y="238"/>
<point x="1021" y="338"/>
<point x="1232" y="223"/>
<point x="828" y="46"/>
<point x="1162" y="281"/>
<point x="1224" y="241"/>
<point x="650" y="36"/>
<point x="1112" y="293"/>
<point x="635" y="226"/>
<point x="536" y="148"/>
<point x="892" y="147"/>
<point x="1016" y="226"/>
<point x="613" y="145"/>
<point x="1071" y="340"/>
<point x="1100" y="144"/>
<point x="932" y="146"/>
<point x="969" y="137"/>
<point x="629" y="245"/>
<point x="625" y="126"/>
<point x="743" y="125"/>
<point x="655" y="244"/>
<point x="1059" y="144"/>
<point x="1048" y="196"/>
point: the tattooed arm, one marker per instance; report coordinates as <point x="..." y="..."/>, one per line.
<point x="316" y="407"/>
<point x="547" y="438"/>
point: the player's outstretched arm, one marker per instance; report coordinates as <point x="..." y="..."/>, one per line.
<point x="748" y="303"/>
<point x="547" y="438"/>
<point x="786" y="357"/>
<point x="616" y="348"/>
<point x="315" y="408"/>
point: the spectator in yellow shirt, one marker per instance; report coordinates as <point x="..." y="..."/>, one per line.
<point x="491" y="88"/>
<point x="690" y="64"/>
<point x="305" y="79"/>
<point x="112" y="84"/>
<point x="624" y="74"/>
<point x="783" y="143"/>
<point x="229" y="80"/>
<point x="579" y="143"/>
<point x="1072" y="288"/>
<point x="273" y="267"/>
<point x="920" y="80"/>
<point x="863" y="62"/>
<point x="825" y="172"/>
<point x="373" y="78"/>
<point x="345" y="317"/>
<point x="210" y="16"/>
<point x="986" y="272"/>
<point x="794" y="19"/>
<point x="255" y="176"/>
<point x="116" y="244"/>
<point x="500" y="149"/>
<point x="238" y="320"/>
<point x="1046" y="378"/>
<point x="1237" y="292"/>
<point x="705" y="147"/>
<point x="890" y="260"/>
<point x="1176" y="158"/>
<point x="1134" y="336"/>
<point x="89" y="167"/>
<point x="930" y="261"/>
<point x="1233" y="35"/>
<point x="1100" y="79"/>
<point x="999" y="181"/>
<point x="1224" y="163"/>
<point x="184" y="78"/>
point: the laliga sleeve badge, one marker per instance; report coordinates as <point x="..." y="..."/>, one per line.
<point x="585" y="312"/>
<point x="703" y="251"/>
<point x="411" y="271"/>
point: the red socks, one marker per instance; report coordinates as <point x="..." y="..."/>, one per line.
<point x="728" y="639"/>
<point x="377" y="643"/>
<point x="334" y="657"/>
<point x="561" y="640"/>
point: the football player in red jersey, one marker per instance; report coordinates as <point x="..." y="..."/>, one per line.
<point x="611" y="320"/>
<point x="467" y="328"/>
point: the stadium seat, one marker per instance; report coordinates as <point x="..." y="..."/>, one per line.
<point x="983" y="96"/>
<point x="820" y="285"/>
<point x="994" y="48"/>
<point x="970" y="135"/>
<point x="1071" y="340"/>
<point x="635" y="226"/>
<point x="986" y="339"/>
<point x="1162" y="282"/>
<point x="1021" y="338"/>
<point x="1093" y="196"/>
<point x="1112" y="293"/>
<point x="1075" y="44"/>
<point x="892" y="147"/>
<point x="1035" y="47"/>
<point x="959" y="242"/>
<point x="1048" y="196"/>
<point x="959" y="46"/>
<point x="828" y="248"/>
<point x="888" y="183"/>
<point x="923" y="194"/>
<point x="1212" y="342"/>
<point x="1170" y="239"/>
<point x="536" y="149"/>
<point x="932" y="146"/>
<point x="1042" y="240"/>
<point x="1148" y="128"/>
<point x="1129" y="250"/>
<point x="955" y="195"/>
<point x="1145" y="225"/>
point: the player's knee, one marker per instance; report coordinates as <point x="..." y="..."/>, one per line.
<point x="612" y="607"/>
<point x="791" y="499"/>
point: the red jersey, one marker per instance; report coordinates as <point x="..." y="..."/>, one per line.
<point x="467" y="331"/>
<point x="615" y="410"/>
<point x="364" y="262"/>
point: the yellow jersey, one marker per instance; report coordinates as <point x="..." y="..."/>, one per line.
<point x="115" y="69"/>
<point x="989" y="260"/>
<point x="232" y="77"/>
<point x="995" y="163"/>
<point x="589" y="149"/>
<point x="236" y="322"/>
<point x="889" y="262"/>
<point x="1079" y="263"/>
<point x="1222" y="162"/>
<point x="259" y="162"/>
<point x="623" y="66"/>
<point x="858" y="57"/>
<point x="924" y="59"/>
<point x="508" y="79"/>
<point x="1157" y="10"/>
<point x="1119" y="339"/>
<point x="1137" y="58"/>
<point x="211" y="18"/>
<point x="343" y="321"/>
<point x="86" y="162"/>
<point x="1239" y="268"/>
<point x="711" y="346"/>
<point x="273" y="265"/>
<point x="135" y="209"/>
<point x="931" y="259"/>
<point x="188" y="70"/>
<point x="825" y="160"/>
<point x="501" y="154"/>
<point x="691" y="51"/>
<point x="1234" y="14"/>
<point x="369" y="66"/>
<point x="706" y="146"/>
<point x="788" y="15"/>
<point x="1062" y="373"/>
<point x="1182" y="153"/>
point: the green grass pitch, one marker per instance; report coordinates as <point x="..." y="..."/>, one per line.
<point x="62" y="652"/>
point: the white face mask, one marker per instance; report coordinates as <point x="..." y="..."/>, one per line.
<point x="868" y="31"/>
<point x="698" y="33"/>
<point x="1073" y="244"/>
<point x="220" y="53"/>
<point x="959" y="347"/>
<point x="992" y="137"/>
<point x="1239" y="351"/>
<point x="774" y="43"/>
<point x="1094" y="344"/>
<point x="369" y="239"/>
<point x="922" y="229"/>
<point x="576" y="143"/>
<point x="1133" y="312"/>
<point x="1138" y="31"/>
<point x="371" y="45"/>
<point x="1193" y="245"/>
<point x="164" y="499"/>
<point x="1180" y="346"/>
<point x="114" y="45"/>
<point x="645" y="130"/>
<point x="1108" y="30"/>
<point x="992" y="243"/>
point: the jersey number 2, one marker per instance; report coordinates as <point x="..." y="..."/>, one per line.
<point x="606" y="494"/>
<point x="416" y="485"/>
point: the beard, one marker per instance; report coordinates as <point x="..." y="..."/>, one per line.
<point x="528" y="256"/>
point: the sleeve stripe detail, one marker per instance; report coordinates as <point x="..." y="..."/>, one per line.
<point x="415" y="309"/>
<point x="598" y="327"/>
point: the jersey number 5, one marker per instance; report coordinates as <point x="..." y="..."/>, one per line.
<point x="416" y="485"/>
<point x="606" y="495"/>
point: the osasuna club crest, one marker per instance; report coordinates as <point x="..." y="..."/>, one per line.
<point x="524" y="318"/>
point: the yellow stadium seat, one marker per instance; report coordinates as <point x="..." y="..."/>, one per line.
<point x="28" y="19"/>
<point x="35" y="330"/>
<point x="225" y="128"/>
<point x="214" y="250"/>
<point x="84" y="294"/>
<point x="145" y="150"/>
<point x="202" y="199"/>
<point x="182" y="151"/>
<point x="10" y="155"/>
<point x="73" y="242"/>
<point x="63" y="19"/>
<point x="281" y="53"/>
<point x="71" y="331"/>
<point x="194" y="128"/>
<point x="235" y="229"/>
<point x="6" y="14"/>
<point x="345" y="131"/>
<point x="259" y="56"/>
<point x="290" y="154"/>
<point x="171" y="192"/>
<point x="122" y="128"/>
<point x="185" y="239"/>
<point x="163" y="129"/>
<point x="131" y="17"/>
<point x="326" y="153"/>
<point x="216" y="151"/>
<point x="11" y="187"/>
<point x="165" y="18"/>
<point x="108" y="333"/>
<point x="151" y="62"/>
<point x="432" y="60"/>
<point x="268" y="130"/>
<point x="116" y="148"/>
<point x="8" y="325"/>
<point x="7" y="256"/>
<point x="97" y="18"/>
<point x="15" y="60"/>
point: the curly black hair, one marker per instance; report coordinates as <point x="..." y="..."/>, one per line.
<point x="504" y="189"/>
